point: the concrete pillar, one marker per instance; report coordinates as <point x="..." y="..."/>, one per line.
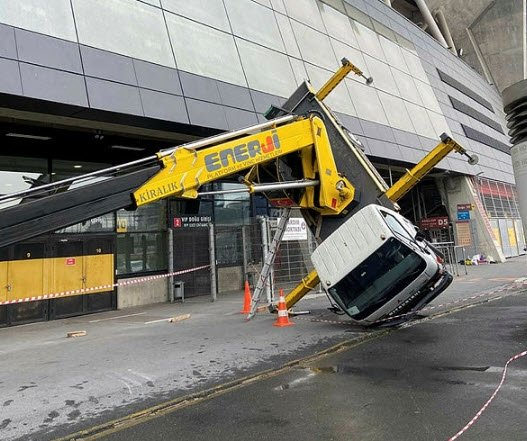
<point x="427" y="15"/>
<point x="515" y="102"/>
<point x="481" y="58"/>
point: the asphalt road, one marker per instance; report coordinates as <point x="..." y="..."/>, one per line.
<point x="422" y="382"/>
<point x="133" y="359"/>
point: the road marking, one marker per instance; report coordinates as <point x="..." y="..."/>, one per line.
<point x="157" y="321"/>
<point x="115" y="318"/>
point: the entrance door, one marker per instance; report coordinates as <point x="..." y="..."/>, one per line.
<point x="191" y="249"/>
<point x="99" y="273"/>
<point x="66" y="276"/>
<point x="83" y="263"/>
<point x="25" y="278"/>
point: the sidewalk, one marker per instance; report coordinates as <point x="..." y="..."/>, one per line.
<point x="133" y="358"/>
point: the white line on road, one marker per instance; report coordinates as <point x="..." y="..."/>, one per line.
<point x="157" y="321"/>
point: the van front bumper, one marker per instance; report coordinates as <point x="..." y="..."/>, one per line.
<point x="425" y="295"/>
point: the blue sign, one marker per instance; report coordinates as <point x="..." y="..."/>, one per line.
<point x="463" y="215"/>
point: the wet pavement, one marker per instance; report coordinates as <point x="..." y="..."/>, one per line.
<point x="423" y="382"/>
<point x="133" y="359"/>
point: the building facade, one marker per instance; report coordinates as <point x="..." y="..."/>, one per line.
<point x="86" y="84"/>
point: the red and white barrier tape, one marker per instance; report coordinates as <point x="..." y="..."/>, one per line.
<point x="102" y="287"/>
<point x="473" y="420"/>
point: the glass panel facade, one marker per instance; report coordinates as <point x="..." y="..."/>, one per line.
<point x="254" y="22"/>
<point x="338" y="25"/>
<point x="368" y="99"/>
<point x="278" y="79"/>
<point x="414" y="65"/>
<point x="248" y="42"/>
<point x="229" y="247"/>
<point x="393" y="54"/>
<point x="396" y="112"/>
<point x="231" y="209"/>
<point x="420" y="120"/>
<point x="286" y="32"/>
<point x="428" y="96"/>
<point x="19" y="174"/>
<point x="150" y="217"/>
<point x="278" y="5"/>
<point x="305" y="11"/>
<point x="217" y="58"/>
<point x="209" y="12"/>
<point x="142" y="239"/>
<point x="500" y="199"/>
<point x="314" y="46"/>
<point x="100" y="224"/>
<point x="407" y="88"/>
<point x="369" y="41"/>
<point x="382" y="75"/>
<point x="140" y="252"/>
<point x="127" y="27"/>
<point x="299" y="70"/>
<point x="50" y="17"/>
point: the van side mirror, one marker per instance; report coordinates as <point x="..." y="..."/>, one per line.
<point x="420" y="236"/>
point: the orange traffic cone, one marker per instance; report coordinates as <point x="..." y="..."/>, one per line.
<point x="246" y="300"/>
<point x="283" y="316"/>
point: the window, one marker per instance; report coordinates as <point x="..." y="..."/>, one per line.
<point x="229" y="246"/>
<point x="142" y="239"/>
<point x="140" y="252"/>
<point x="150" y="217"/>
<point x="233" y="208"/>
<point x="378" y="279"/>
<point x="395" y="226"/>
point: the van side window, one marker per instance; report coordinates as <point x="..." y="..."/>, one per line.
<point x="396" y="226"/>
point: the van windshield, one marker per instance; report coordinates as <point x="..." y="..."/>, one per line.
<point x="378" y="279"/>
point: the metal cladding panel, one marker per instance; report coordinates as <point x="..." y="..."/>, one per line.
<point x="303" y="102"/>
<point x="352" y="243"/>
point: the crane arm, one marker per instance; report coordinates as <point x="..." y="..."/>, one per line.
<point x="187" y="168"/>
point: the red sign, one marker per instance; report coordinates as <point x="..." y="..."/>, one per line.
<point x="464" y="207"/>
<point x="70" y="261"/>
<point x="434" y="223"/>
<point x="177" y="222"/>
<point x="282" y="202"/>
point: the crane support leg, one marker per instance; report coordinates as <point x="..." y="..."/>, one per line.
<point x="307" y="284"/>
<point x="425" y="165"/>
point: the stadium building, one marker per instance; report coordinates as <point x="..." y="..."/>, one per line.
<point x="87" y="84"/>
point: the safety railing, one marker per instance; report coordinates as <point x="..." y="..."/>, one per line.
<point x="454" y="255"/>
